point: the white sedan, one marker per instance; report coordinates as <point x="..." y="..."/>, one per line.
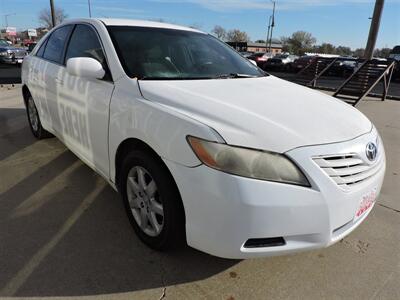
<point x="203" y="146"/>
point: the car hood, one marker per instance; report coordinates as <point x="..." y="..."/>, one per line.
<point x="264" y="113"/>
<point x="10" y="48"/>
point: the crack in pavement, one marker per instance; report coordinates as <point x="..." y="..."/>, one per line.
<point x="388" y="207"/>
<point x="164" y="292"/>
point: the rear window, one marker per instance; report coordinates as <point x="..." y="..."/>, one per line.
<point x="40" y="52"/>
<point x="56" y="43"/>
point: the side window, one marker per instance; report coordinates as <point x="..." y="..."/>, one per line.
<point x="55" y="44"/>
<point x="85" y="43"/>
<point x="40" y="52"/>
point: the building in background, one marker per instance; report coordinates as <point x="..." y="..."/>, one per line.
<point x="276" y="47"/>
<point x="24" y="38"/>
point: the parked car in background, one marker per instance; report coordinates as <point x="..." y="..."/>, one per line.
<point x="10" y="54"/>
<point x="395" y="55"/>
<point x="301" y="62"/>
<point x="203" y="146"/>
<point x="344" y="66"/>
<point x="31" y="46"/>
<point x="7" y="41"/>
<point x="280" y="62"/>
<point x="260" y="58"/>
<point x="246" y="54"/>
<point x="27" y="42"/>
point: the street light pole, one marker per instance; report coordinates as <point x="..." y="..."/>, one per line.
<point x="52" y="12"/>
<point x="373" y="31"/>
<point x="90" y="9"/>
<point x="6" y="17"/>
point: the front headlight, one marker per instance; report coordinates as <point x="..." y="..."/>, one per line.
<point x="4" y="53"/>
<point x="245" y="162"/>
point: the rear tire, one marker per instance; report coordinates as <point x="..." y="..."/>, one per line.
<point x="34" y="121"/>
<point x="152" y="201"/>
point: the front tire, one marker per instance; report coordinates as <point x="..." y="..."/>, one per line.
<point x="34" y="121"/>
<point x="152" y="201"/>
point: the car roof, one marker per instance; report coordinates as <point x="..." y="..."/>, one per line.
<point x="130" y="22"/>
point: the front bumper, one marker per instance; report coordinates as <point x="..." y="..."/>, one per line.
<point x="11" y="60"/>
<point x="223" y="211"/>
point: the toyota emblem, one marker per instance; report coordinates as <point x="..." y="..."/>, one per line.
<point x="371" y="151"/>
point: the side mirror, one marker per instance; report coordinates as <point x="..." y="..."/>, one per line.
<point x="85" y="67"/>
<point x="253" y="62"/>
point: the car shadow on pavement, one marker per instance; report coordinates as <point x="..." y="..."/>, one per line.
<point x="64" y="232"/>
<point x="10" y="74"/>
<point x="13" y="138"/>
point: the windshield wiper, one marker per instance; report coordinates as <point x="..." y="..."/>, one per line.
<point x="171" y="78"/>
<point x="219" y="76"/>
<point x="234" y="75"/>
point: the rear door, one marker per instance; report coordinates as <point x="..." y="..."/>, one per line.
<point x="84" y="103"/>
<point x="46" y="68"/>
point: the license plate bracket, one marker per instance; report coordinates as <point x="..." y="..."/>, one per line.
<point x="365" y="204"/>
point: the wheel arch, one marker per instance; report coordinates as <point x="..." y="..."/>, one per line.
<point x="124" y="148"/>
<point x="25" y="93"/>
<point x="131" y="144"/>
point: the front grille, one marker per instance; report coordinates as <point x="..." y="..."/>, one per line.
<point x="18" y="53"/>
<point x="348" y="170"/>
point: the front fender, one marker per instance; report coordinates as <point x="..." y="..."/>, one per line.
<point x="160" y="127"/>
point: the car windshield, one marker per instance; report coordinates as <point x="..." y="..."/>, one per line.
<point x="161" y="54"/>
<point x="3" y="43"/>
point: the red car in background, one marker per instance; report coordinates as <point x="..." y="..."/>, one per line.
<point x="301" y="63"/>
<point x="260" y="58"/>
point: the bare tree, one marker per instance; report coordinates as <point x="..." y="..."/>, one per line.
<point x="45" y="17"/>
<point x="219" y="32"/>
<point x="235" y="35"/>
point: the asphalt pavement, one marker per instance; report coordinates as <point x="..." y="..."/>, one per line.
<point x="10" y="74"/>
<point x="64" y="233"/>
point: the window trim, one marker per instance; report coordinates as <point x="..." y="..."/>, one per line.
<point x="108" y="70"/>
<point x="42" y="44"/>
<point x="68" y="39"/>
<point x="65" y="44"/>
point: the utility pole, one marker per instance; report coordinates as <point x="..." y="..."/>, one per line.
<point x="269" y="28"/>
<point x="272" y="27"/>
<point x="373" y="31"/>
<point x="52" y="12"/>
<point x="90" y="9"/>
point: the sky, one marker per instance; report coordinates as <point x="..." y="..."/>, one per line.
<point x="340" y="22"/>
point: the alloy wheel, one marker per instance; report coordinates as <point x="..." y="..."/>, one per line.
<point x="33" y="115"/>
<point x="144" y="201"/>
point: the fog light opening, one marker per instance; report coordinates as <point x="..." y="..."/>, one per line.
<point x="265" y="242"/>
